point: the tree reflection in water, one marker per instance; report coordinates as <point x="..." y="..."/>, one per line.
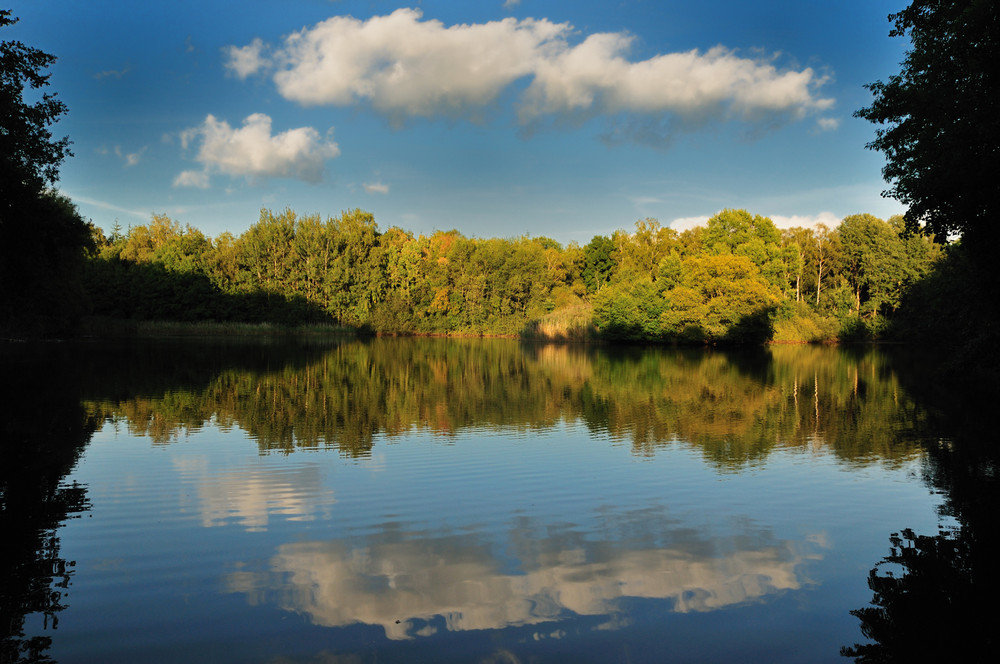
<point x="43" y="430"/>
<point x="935" y="596"/>
<point x="734" y="408"/>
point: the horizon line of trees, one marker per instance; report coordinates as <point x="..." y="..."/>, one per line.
<point x="738" y="279"/>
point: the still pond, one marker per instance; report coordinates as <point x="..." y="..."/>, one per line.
<point x="432" y="500"/>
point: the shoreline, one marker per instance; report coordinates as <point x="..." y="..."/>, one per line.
<point x="111" y="328"/>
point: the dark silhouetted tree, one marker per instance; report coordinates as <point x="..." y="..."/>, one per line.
<point x="942" y="138"/>
<point x="42" y="236"/>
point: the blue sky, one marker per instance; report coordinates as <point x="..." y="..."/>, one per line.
<point x="565" y="119"/>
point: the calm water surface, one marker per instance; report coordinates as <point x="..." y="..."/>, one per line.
<point x="468" y="501"/>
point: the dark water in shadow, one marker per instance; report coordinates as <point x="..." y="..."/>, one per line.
<point x="487" y="501"/>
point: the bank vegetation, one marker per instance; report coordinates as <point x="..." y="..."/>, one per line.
<point x="738" y="279"/>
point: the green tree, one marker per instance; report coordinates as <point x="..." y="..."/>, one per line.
<point x="756" y="237"/>
<point x="874" y="257"/>
<point x="823" y="253"/>
<point x="638" y="254"/>
<point x="30" y="156"/>
<point x="358" y="270"/>
<point x="942" y="139"/>
<point x="598" y="266"/>
<point x="222" y="262"/>
<point x="803" y="239"/>
<point x="43" y="238"/>
<point x="722" y="297"/>
<point x="629" y="310"/>
<point x="267" y="254"/>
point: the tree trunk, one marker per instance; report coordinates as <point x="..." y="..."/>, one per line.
<point x="819" y="280"/>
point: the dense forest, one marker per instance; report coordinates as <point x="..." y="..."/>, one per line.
<point x="737" y="279"/>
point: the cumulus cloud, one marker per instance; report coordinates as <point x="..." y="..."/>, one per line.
<point x="682" y="224"/>
<point x="404" y="66"/>
<point x="251" y="151"/>
<point x="595" y="78"/>
<point x="246" y="60"/>
<point x="376" y="187"/>
<point x="828" y="219"/>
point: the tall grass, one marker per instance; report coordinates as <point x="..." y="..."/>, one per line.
<point x="112" y="327"/>
<point x="574" y="323"/>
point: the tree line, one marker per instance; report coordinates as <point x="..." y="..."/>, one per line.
<point x="738" y="278"/>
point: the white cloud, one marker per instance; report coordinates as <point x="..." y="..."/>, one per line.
<point x="682" y="224"/>
<point x="594" y="77"/>
<point x="828" y="219"/>
<point x="510" y="4"/>
<point x="132" y="158"/>
<point x="376" y="187"/>
<point x="404" y="66"/>
<point x="246" y="60"/>
<point x="252" y="151"/>
<point x="197" y="179"/>
<point x="827" y="124"/>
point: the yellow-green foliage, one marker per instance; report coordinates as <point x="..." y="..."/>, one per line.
<point x="721" y="294"/>
<point x="97" y="326"/>
<point x="796" y="322"/>
<point x="730" y="281"/>
<point x="568" y="323"/>
<point x="734" y="409"/>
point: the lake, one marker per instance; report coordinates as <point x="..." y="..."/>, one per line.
<point x="435" y="500"/>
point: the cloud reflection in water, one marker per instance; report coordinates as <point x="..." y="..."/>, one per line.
<point x="405" y="583"/>
<point x="250" y="497"/>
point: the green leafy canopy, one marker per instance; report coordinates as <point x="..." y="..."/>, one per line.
<point x="941" y="137"/>
<point x="29" y="155"/>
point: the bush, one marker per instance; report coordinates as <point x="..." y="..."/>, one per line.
<point x="797" y="322"/>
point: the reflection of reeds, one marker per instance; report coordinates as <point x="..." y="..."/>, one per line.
<point x="112" y="327"/>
